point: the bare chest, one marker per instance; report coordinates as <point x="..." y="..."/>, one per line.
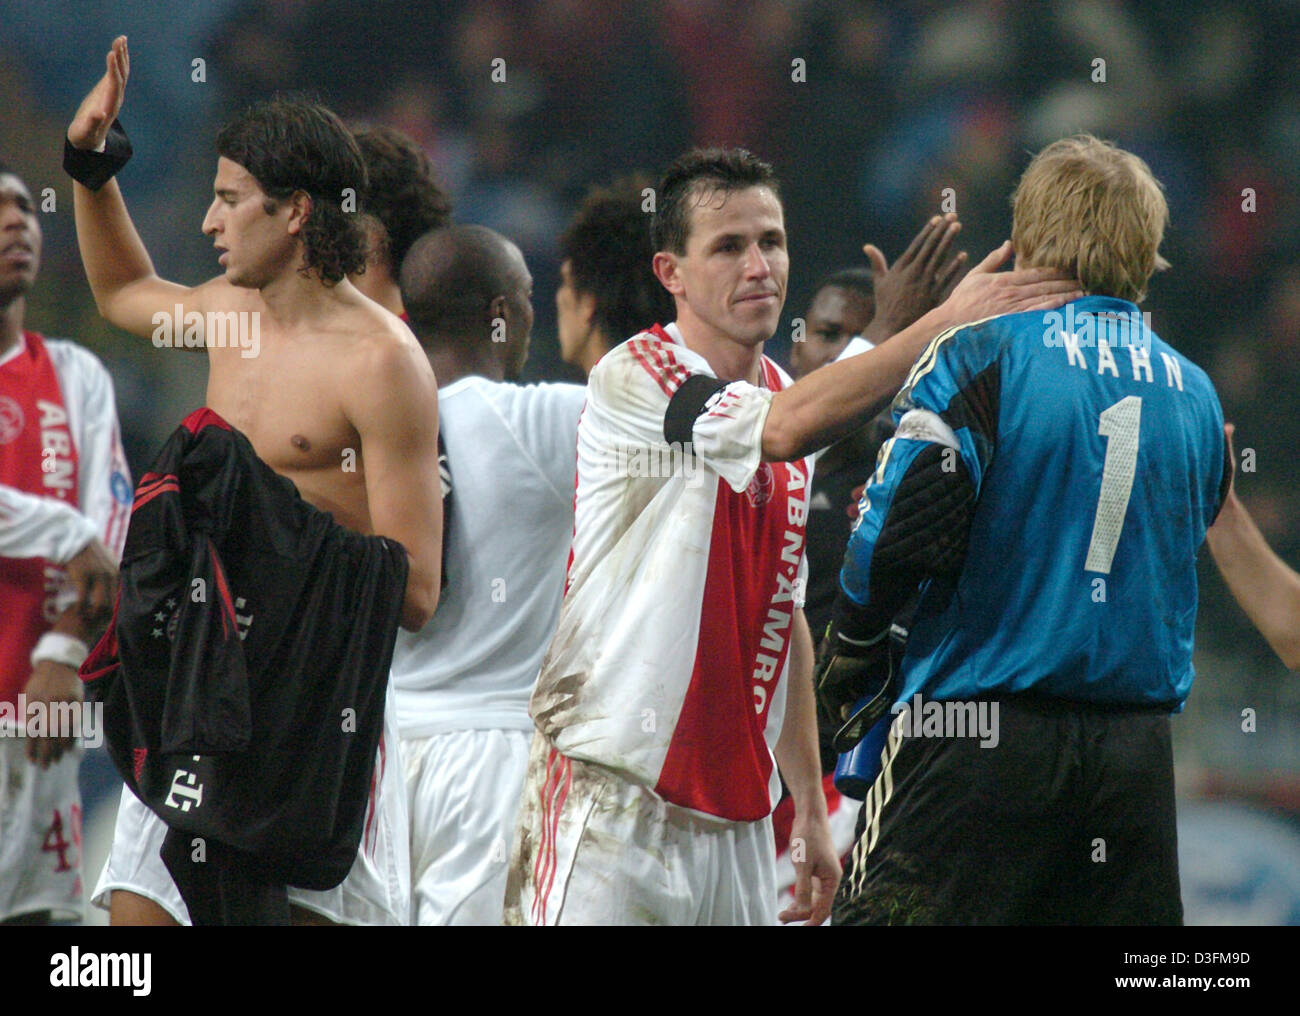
<point x="288" y="403"/>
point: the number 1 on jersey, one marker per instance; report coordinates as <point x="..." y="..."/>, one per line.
<point x="1120" y="425"/>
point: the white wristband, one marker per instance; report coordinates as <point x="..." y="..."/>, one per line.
<point x="59" y="648"/>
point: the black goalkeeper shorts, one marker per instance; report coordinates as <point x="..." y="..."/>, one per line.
<point x="1069" y="819"/>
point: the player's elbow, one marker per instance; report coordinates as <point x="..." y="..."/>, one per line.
<point x="783" y="440"/>
<point x="104" y="303"/>
<point x="420" y="602"/>
<point x="1288" y="650"/>
<point x="114" y="307"/>
<point x="423" y="580"/>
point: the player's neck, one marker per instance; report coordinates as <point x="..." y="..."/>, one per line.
<point x="452" y="361"/>
<point x="731" y="360"/>
<point x="592" y="350"/>
<point x="296" y="297"/>
<point x="11" y="324"/>
<point x="377" y="283"/>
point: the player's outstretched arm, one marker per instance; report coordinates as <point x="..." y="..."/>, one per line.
<point x="127" y="290"/>
<point x="1265" y="586"/>
<point x="830" y="402"/>
<point x="817" y="868"/>
<point x="35" y="526"/>
<point x="393" y="403"/>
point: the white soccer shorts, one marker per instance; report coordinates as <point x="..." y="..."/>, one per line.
<point x="593" y="848"/>
<point x="463" y="792"/>
<point x="376" y="891"/>
<point x="40" y="834"/>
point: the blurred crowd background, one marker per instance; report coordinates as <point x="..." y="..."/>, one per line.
<point x="867" y="110"/>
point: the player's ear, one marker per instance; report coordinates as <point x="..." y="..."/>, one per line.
<point x="498" y="310"/>
<point x="668" y="272"/>
<point x="299" y="210"/>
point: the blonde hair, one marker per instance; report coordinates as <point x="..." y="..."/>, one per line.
<point x="1087" y="207"/>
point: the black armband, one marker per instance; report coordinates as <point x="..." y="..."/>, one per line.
<point x="686" y="405"/>
<point x="94" y="169"/>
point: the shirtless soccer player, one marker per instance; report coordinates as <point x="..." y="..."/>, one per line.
<point x="335" y="373"/>
<point x="680" y="674"/>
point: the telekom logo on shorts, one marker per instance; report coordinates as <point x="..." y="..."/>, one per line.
<point x="186" y="786"/>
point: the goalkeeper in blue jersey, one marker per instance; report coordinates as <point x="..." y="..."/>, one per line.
<point x="1048" y="488"/>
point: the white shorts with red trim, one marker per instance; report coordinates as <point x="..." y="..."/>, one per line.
<point x="463" y="789"/>
<point x="40" y="834"/>
<point x="376" y="891"/>
<point x="592" y="848"/>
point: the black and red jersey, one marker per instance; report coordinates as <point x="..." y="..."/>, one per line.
<point x="244" y="674"/>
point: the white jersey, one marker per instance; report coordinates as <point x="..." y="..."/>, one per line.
<point x="669" y="662"/>
<point x="511" y="451"/>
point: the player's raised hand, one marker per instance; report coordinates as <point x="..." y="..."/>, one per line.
<point x="986" y="292"/>
<point x="99" y="109"/>
<point x="921" y="279"/>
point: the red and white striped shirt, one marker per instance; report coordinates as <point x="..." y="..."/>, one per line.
<point x="63" y="480"/>
<point x="668" y="664"/>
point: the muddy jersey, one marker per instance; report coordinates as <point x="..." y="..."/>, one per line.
<point x="687" y="564"/>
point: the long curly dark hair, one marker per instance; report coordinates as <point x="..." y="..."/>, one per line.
<point x="609" y="252"/>
<point x="292" y="144"/>
<point x="404" y="194"/>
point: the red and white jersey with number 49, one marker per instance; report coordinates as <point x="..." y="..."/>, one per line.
<point x="669" y="661"/>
